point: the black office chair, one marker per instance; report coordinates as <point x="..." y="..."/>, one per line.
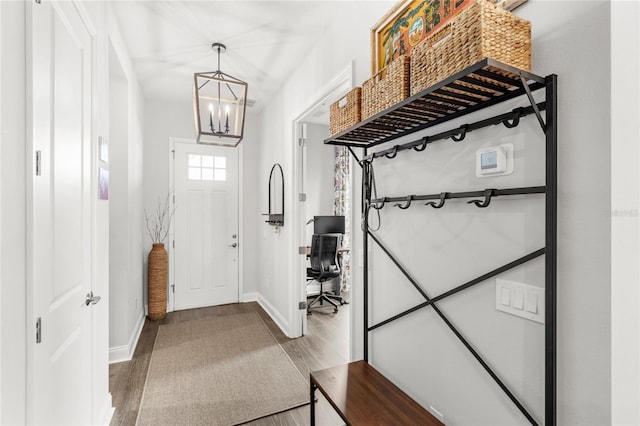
<point x="324" y="267"/>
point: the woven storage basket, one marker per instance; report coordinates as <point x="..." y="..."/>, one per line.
<point x="383" y="91"/>
<point x="345" y="112"/>
<point x="157" y="280"/>
<point x="482" y="30"/>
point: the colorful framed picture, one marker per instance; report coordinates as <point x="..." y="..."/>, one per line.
<point x="103" y="183"/>
<point x="411" y="21"/>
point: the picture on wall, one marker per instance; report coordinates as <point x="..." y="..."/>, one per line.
<point x="103" y="183"/>
<point x="409" y="22"/>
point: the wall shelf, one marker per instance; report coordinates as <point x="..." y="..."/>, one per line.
<point x="483" y="84"/>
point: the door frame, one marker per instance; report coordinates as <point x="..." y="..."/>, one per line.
<point x="171" y="302"/>
<point x="337" y="87"/>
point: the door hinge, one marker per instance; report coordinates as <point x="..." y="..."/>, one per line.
<point x="302" y="141"/>
<point x="173" y="288"/>
<point x="173" y="153"/>
<point x="38" y="163"/>
<point x="173" y="243"/>
<point x="302" y="196"/>
<point x="39" y="330"/>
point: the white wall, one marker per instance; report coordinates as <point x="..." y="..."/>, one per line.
<point x="119" y="230"/>
<point x="128" y="316"/>
<point x="345" y="40"/>
<point x="320" y="173"/>
<point x="174" y="119"/>
<point x="12" y="213"/>
<point x="625" y="205"/>
<point x="571" y="39"/>
<point x="446" y="248"/>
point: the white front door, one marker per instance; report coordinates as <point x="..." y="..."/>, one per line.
<point x="206" y="225"/>
<point x="59" y="368"/>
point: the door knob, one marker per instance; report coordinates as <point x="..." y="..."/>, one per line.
<point x="91" y="299"/>
<point x="234" y="245"/>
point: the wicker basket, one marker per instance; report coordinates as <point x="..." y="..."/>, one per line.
<point x="345" y="112"/>
<point x="482" y="30"/>
<point x="385" y="90"/>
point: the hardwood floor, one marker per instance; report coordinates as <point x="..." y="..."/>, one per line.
<point x="325" y="344"/>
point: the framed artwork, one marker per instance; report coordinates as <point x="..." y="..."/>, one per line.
<point x="103" y="183"/>
<point x="411" y="21"/>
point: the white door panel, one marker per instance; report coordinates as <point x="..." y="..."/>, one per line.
<point x="206" y="225"/>
<point x="60" y="376"/>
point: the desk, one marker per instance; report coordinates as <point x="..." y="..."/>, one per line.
<point x="307" y="250"/>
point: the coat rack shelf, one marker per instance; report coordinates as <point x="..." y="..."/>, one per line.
<point x="488" y="194"/>
<point x="481" y="85"/>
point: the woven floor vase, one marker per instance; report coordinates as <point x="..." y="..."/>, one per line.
<point x="157" y="279"/>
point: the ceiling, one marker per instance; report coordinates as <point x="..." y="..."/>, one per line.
<point x="171" y="40"/>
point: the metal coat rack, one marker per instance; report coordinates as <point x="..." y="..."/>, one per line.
<point x="479" y="86"/>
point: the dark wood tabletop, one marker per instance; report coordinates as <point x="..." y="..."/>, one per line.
<point x="363" y="396"/>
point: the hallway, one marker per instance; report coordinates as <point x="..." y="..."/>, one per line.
<point x="326" y="344"/>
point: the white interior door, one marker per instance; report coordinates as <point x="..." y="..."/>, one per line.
<point x="206" y="225"/>
<point x="59" y="371"/>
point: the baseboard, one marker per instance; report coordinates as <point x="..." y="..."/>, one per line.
<point x="125" y="353"/>
<point x="250" y="297"/>
<point x="106" y="411"/>
<point x="274" y="314"/>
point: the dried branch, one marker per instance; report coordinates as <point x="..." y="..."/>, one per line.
<point x="159" y="223"/>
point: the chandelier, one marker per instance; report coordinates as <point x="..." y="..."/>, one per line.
<point x="219" y="105"/>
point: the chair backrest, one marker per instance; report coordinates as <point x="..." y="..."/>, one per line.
<point x="324" y="255"/>
<point x="314" y="256"/>
<point x="328" y="251"/>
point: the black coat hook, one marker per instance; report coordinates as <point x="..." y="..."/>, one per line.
<point x="407" y="203"/>
<point x="488" y="193"/>
<point x="443" y="197"/>
<point x="462" y="133"/>
<point x="423" y="145"/>
<point x="379" y="204"/>
<point x="392" y="154"/>
<point x="515" y="119"/>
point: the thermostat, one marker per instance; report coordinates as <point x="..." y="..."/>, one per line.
<point x="494" y="161"/>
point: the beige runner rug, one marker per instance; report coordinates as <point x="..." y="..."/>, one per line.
<point x="219" y="371"/>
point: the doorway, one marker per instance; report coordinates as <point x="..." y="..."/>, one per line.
<point x="122" y="316"/>
<point x="206" y="243"/>
<point x="323" y="182"/>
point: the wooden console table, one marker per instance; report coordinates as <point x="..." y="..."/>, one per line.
<point x="363" y="396"/>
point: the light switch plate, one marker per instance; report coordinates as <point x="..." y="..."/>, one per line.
<point x="526" y="301"/>
<point x="505" y="296"/>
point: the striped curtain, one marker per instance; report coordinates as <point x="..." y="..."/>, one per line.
<point x="342" y="207"/>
